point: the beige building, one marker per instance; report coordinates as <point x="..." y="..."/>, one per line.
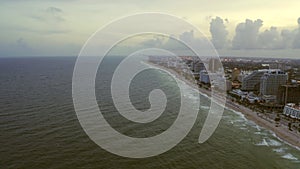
<point x="271" y="81"/>
<point x="235" y="74"/>
<point x="251" y="82"/>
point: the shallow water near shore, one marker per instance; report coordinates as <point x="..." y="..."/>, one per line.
<point x="39" y="127"/>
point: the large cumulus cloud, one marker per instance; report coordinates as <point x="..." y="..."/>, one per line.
<point x="270" y="39"/>
<point x="246" y="34"/>
<point x="218" y="32"/>
<point x="296" y="42"/>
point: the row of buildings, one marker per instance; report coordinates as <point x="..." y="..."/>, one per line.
<point x="272" y="84"/>
<point x="269" y="87"/>
<point x="272" y="87"/>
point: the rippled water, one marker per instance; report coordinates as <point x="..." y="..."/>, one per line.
<point x="39" y="128"/>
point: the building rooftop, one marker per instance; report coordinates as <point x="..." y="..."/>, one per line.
<point x="293" y="105"/>
<point x="272" y="71"/>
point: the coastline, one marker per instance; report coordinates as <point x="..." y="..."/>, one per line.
<point x="281" y="131"/>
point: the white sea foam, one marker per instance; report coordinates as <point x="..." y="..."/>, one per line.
<point x="192" y="97"/>
<point x="272" y="142"/>
<point x="243" y="128"/>
<point x="239" y="121"/>
<point x="205" y="107"/>
<point x="263" y="143"/>
<point x="251" y="123"/>
<point x="226" y="117"/>
<point x="258" y="128"/>
<point x="260" y="133"/>
<point x="273" y="134"/>
<point x="289" y="156"/>
<point x="205" y="95"/>
<point x="279" y="150"/>
<point x="240" y="114"/>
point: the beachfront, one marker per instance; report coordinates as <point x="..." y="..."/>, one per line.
<point x="279" y="129"/>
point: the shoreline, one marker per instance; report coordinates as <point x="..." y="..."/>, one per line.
<point x="282" y="132"/>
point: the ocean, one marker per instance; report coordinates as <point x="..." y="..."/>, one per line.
<point x="39" y="127"/>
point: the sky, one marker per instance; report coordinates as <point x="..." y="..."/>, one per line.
<point x="235" y="27"/>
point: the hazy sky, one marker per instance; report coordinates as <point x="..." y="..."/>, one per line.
<point x="61" y="27"/>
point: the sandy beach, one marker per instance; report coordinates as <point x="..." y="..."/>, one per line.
<point x="281" y="131"/>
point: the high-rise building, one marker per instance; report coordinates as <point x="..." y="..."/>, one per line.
<point x="251" y="82"/>
<point x="271" y="81"/>
<point x="288" y="94"/>
<point x="235" y="74"/>
<point x="214" y="65"/>
<point x="277" y="65"/>
<point x="228" y="85"/>
<point x="204" y="77"/>
<point x="197" y="66"/>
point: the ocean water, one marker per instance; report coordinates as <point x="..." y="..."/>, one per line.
<point x="39" y="127"/>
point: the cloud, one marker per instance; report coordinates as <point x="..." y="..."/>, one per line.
<point x="155" y="42"/>
<point x="51" y="14"/>
<point x="248" y="36"/>
<point x="188" y="37"/>
<point x="296" y="42"/>
<point x="21" y="43"/>
<point x="50" y="21"/>
<point x="247" y="33"/>
<point x="48" y="31"/>
<point x="175" y="44"/>
<point x="287" y="38"/>
<point x="23" y="47"/>
<point x="194" y="41"/>
<point x="218" y="32"/>
<point x="270" y="39"/>
<point x="54" y="10"/>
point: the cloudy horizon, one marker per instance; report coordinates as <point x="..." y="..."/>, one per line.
<point x="60" y="28"/>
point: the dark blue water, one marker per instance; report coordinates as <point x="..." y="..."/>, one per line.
<point x="39" y="127"/>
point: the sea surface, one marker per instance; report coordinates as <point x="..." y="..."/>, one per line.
<point x="39" y="127"/>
